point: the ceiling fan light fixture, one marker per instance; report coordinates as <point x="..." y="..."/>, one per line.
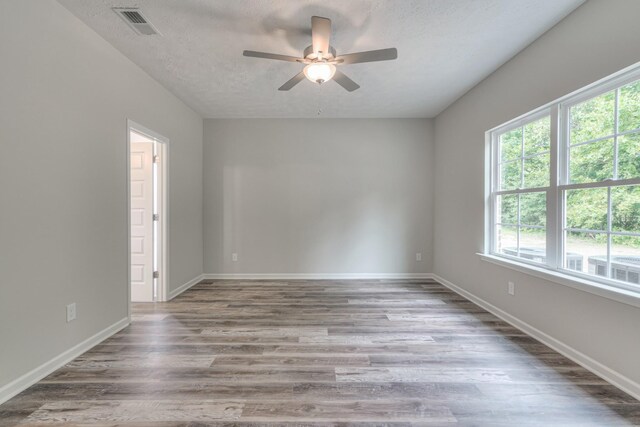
<point x="319" y="72"/>
<point x="321" y="60"/>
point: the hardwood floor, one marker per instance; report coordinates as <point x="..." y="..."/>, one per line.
<point x="320" y="353"/>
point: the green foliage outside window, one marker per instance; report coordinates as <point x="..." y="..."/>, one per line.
<point x="593" y="125"/>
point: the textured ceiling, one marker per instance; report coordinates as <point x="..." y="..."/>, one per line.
<point x="445" y="47"/>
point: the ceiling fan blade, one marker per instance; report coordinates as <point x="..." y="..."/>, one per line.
<point x="293" y="81"/>
<point x="369" y="56"/>
<point x="320" y="34"/>
<point x="345" y="81"/>
<point x="266" y="55"/>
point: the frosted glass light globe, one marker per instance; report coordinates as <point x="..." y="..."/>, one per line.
<point x="319" y="72"/>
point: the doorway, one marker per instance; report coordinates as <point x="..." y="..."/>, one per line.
<point x="147" y="178"/>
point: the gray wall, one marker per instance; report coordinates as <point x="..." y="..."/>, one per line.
<point x="65" y="95"/>
<point x="318" y="196"/>
<point x="599" y="38"/>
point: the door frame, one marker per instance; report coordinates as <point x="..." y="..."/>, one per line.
<point x="163" y="206"/>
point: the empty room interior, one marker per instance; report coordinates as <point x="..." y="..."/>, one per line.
<point x="295" y="213"/>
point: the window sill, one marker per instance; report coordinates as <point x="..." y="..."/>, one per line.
<point x="610" y="292"/>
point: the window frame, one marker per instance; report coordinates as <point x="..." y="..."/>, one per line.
<point x="495" y="178"/>
<point x="559" y="181"/>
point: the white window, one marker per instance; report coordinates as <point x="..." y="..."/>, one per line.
<point x="565" y="185"/>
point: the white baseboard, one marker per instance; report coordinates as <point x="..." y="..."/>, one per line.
<point x="318" y="276"/>
<point x="27" y="380"/>
<point x="174" y="293"/>
<point x="615" y="378"/>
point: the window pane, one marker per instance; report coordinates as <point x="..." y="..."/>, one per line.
<point x="507" y="209"/>
<point x="586" y="252"/>
<point x="537" y="136"/>
<point x="536" y="171"/>
<point x="511" y="145"/>
<point x="593" y="118"/>
<point x="533" y="244"/>
<point x="591" y="162"/>
<point x="587" y="209"/>
<point x="629" y="107"/>
<point x="625" y="259"/>
<point x="506" y="240"/>
<point x="629" y="156"/>
<point x="533" y="209"/>
<point x="626" y="208"/>
<point x="510" y="175"/>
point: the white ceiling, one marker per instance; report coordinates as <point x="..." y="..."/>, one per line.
<point x="445" y="47"/>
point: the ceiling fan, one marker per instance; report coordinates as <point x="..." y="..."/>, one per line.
<point x="321" y="60"/>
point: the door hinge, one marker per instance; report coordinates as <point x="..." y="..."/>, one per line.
<point x="156" y="274"/>
<point x="156" y="158"/>
<point x="156" y="217"/>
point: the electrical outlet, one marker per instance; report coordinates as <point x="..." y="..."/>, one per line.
<point x="234" y="257"/>
<point x="418" y="256"/>
<point x="512" y="288"/>
<point x="71" y="312"/>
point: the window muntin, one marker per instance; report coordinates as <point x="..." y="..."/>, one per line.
<point x="604" y="136"/>
<point x="628" y="101"/>
<point x="629" y="156"/>
<point x="602" y="225"/>
<point x="586" y="122"/>
<point x="577" y="218"/>
<point x="520" y="229"/>
<point x="588" y="222"/>
<point x="591" y="162"/>
<point x="524" y="155"/>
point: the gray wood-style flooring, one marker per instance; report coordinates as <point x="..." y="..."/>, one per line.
<point x="285" y="353"/>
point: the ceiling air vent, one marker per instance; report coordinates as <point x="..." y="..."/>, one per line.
<point x="136" y="20"/>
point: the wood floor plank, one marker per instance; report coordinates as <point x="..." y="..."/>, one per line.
<point x="320" y="353"/>
<point x="390" y="338"/>
<point x="243" y="374"/>
<point x="158" y="360"/>
<point x="404" y="374"/>
<point x="438" y="392"/>
<point x="165" y="390"/>
<point x="81" y="411"/>
<point x="344" y="411"/>
<point x="294" y="360"/>
<point x="268" y="332"/>
<point x="395" y="302"/>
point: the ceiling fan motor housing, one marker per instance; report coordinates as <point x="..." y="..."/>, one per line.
<point x="310" y="54"/>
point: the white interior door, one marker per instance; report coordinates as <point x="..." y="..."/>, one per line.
<point x="141" y="221"/>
